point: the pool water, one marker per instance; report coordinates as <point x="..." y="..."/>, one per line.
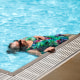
<point x="24" y="18"/>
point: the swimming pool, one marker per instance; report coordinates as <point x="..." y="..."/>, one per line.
<point x="24" y="18"/>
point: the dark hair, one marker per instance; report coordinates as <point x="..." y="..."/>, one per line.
<point x="9" y="45"/>
<point x="15" y="40"/>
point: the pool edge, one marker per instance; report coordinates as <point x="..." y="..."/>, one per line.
<point x="34" y="61"/>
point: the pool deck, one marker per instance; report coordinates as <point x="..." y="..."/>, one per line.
<point x="52" y="66"/>
<point x="68" y="71"/>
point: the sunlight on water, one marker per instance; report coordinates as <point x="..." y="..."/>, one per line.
<point x="22" y="18"/>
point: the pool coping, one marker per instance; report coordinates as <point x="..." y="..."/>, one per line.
<point x="34" y="61"/>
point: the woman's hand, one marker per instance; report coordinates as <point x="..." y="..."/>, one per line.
<point x="24" y="38"/>
<point x="39" y="37"/>
<point x="50" y="49"/>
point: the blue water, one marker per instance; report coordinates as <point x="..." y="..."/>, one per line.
<point x="23" y="18"/>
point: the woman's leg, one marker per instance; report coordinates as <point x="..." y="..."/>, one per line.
<point x="34" y="52"/>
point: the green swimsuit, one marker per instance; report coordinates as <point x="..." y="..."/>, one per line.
<point x="52" y="41"/>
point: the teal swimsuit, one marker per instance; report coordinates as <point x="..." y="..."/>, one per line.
<point x="52" y="41"/>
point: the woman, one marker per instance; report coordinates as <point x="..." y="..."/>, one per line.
<point x="37" y="45"/>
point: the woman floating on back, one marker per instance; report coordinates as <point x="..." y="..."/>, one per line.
<point x="37" y="45"/>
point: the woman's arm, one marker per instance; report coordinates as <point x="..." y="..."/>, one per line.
<point x="37" y="37"/>
<point x="38" y="53"/>
<point x="35" y="52"/>
<point x="40" y="37"/>
<point x="50" y="49"/>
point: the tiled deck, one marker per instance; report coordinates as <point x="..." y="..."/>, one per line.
<point x="49" y="63"/>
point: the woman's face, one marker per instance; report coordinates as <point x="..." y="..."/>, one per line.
<point x="16" y="45"/>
